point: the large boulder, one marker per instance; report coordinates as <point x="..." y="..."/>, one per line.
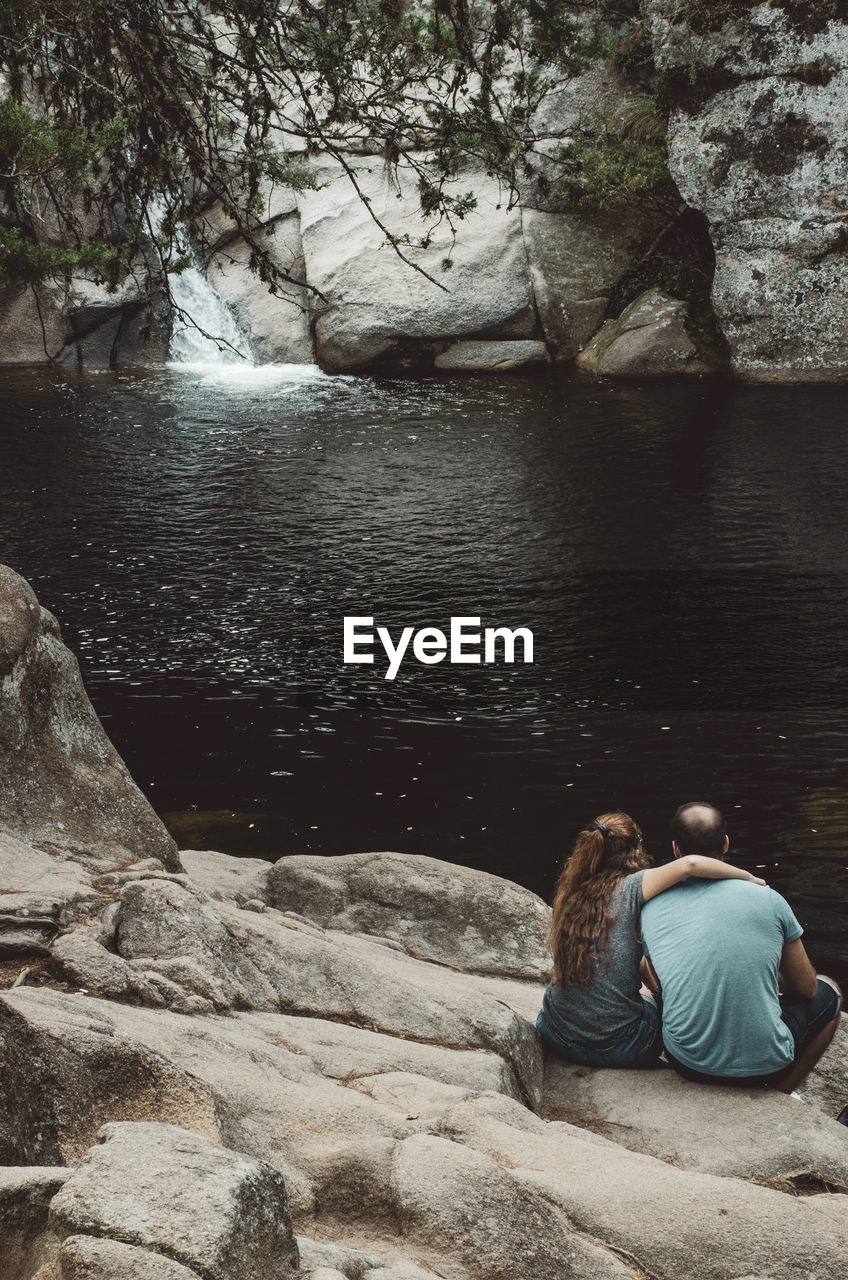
<point x="437" y="911"/>
<point x="277" y="324"/>
<point x="574" y="261"/>
<point x="221" y="1214"/>
<point x="745" y="1133"/>
<point x="371" y="307"/>
<point x="649" y="339"/>
<point x="63" y="786"/>
<point x="761" y="153"/>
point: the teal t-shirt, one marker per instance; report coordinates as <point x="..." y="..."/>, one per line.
<point x="715" y="946"/>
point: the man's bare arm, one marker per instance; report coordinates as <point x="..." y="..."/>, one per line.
<point x="797" y="975"/>
<point x="648" y="975"/>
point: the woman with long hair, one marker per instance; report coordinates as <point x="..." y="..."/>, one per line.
<point x="595" y="1010"/>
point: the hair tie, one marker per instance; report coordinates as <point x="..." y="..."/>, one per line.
<point x="599" y="826"/>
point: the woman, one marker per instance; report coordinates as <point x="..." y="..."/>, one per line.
<point x="594" y="1011"/>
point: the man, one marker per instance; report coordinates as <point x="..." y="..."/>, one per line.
<point x="741" y="1002"/>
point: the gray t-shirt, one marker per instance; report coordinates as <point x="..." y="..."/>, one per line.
<point x="608" y="1008"/>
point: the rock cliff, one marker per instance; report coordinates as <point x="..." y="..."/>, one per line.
<point x="758" y="145"/>
<point x="328" y="1068"/>
<point x="757" y="98"/>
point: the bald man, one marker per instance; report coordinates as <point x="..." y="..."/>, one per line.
<point x="741" y="1002"/>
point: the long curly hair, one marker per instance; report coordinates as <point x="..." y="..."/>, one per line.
<point x="606" y="850"/>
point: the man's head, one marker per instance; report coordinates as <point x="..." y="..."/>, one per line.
<point x="698" y="827"/>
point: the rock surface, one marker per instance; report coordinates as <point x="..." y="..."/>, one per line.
<point x="69" y="1074"/>
<point x="455" y="916"/>
<point x="744" y="1133"/>
<point x="492" y="356"/>
<point x="673" y="1222"/>
<point x="277" y="325"/>
<point x="218" y="1213"/>
<point x="93" y="1258"/>
<point x="827" y="1087"/>
<point x="374" y="307"/>
<point x="81" y="327"/>
<point x="763" y="156"/>
<point x="649" y="339"/>
<point x="26" y="1242"/>
<point x="345" y="1048"/>
<point x="574" y="262"/>
<point x="63" y="787"/>
<point x="274" y="962"/>
<point x="236" y="880"/>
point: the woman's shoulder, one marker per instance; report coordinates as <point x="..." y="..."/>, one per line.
<point x="633" y="881"/>
<point x="629" y="888"/>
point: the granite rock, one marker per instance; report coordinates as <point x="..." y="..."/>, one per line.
<point x="760" y="151"/>
<point x="456" y="916"/>
<point x="94" y="1258"/>
<point x="495" y="357"/>
<point x="28" y="1247"/>
<point x="63" y="787"/>
<point x="742" y="1133"/>
<point x="649" y="339"/>
<point x="162" y="1188"/>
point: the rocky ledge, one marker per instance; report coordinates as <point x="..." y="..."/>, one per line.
<point x="223" y="1069"/>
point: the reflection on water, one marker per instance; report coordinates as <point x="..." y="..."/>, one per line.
<point x="680" y="552"/>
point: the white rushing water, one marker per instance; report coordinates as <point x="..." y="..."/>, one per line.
<point x="204" y="329"/>
<point x="237" y="378"/>
<point x="207" y="340"/>
<point x="214" y="336"/>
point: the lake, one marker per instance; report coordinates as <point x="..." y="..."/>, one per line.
<point x="679" y="550"/>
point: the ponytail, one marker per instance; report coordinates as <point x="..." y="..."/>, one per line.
<point x="605" y="852"/>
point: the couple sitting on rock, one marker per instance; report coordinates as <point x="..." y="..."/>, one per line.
<point x="697" y="957"/>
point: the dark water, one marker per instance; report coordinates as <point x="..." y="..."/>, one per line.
<point x="679" y="551"/>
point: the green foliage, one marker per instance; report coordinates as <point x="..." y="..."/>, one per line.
<point x="110" y="108"/>
<point x="205" y="105"/>
<point x="26" y="261"/>
<point x="36" y="146"/>
<point x="620" y="162"/>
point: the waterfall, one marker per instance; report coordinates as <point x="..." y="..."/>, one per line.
<point x="225" y="356"/>
<point x="192" y="293"/>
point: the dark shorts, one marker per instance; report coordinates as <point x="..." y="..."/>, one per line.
<point x="804" y="1018"/>
<point x="641" y="1048"/>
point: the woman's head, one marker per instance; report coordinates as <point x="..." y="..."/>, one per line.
<point x="607" y="849"/>
<point x="612" y="842"/>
